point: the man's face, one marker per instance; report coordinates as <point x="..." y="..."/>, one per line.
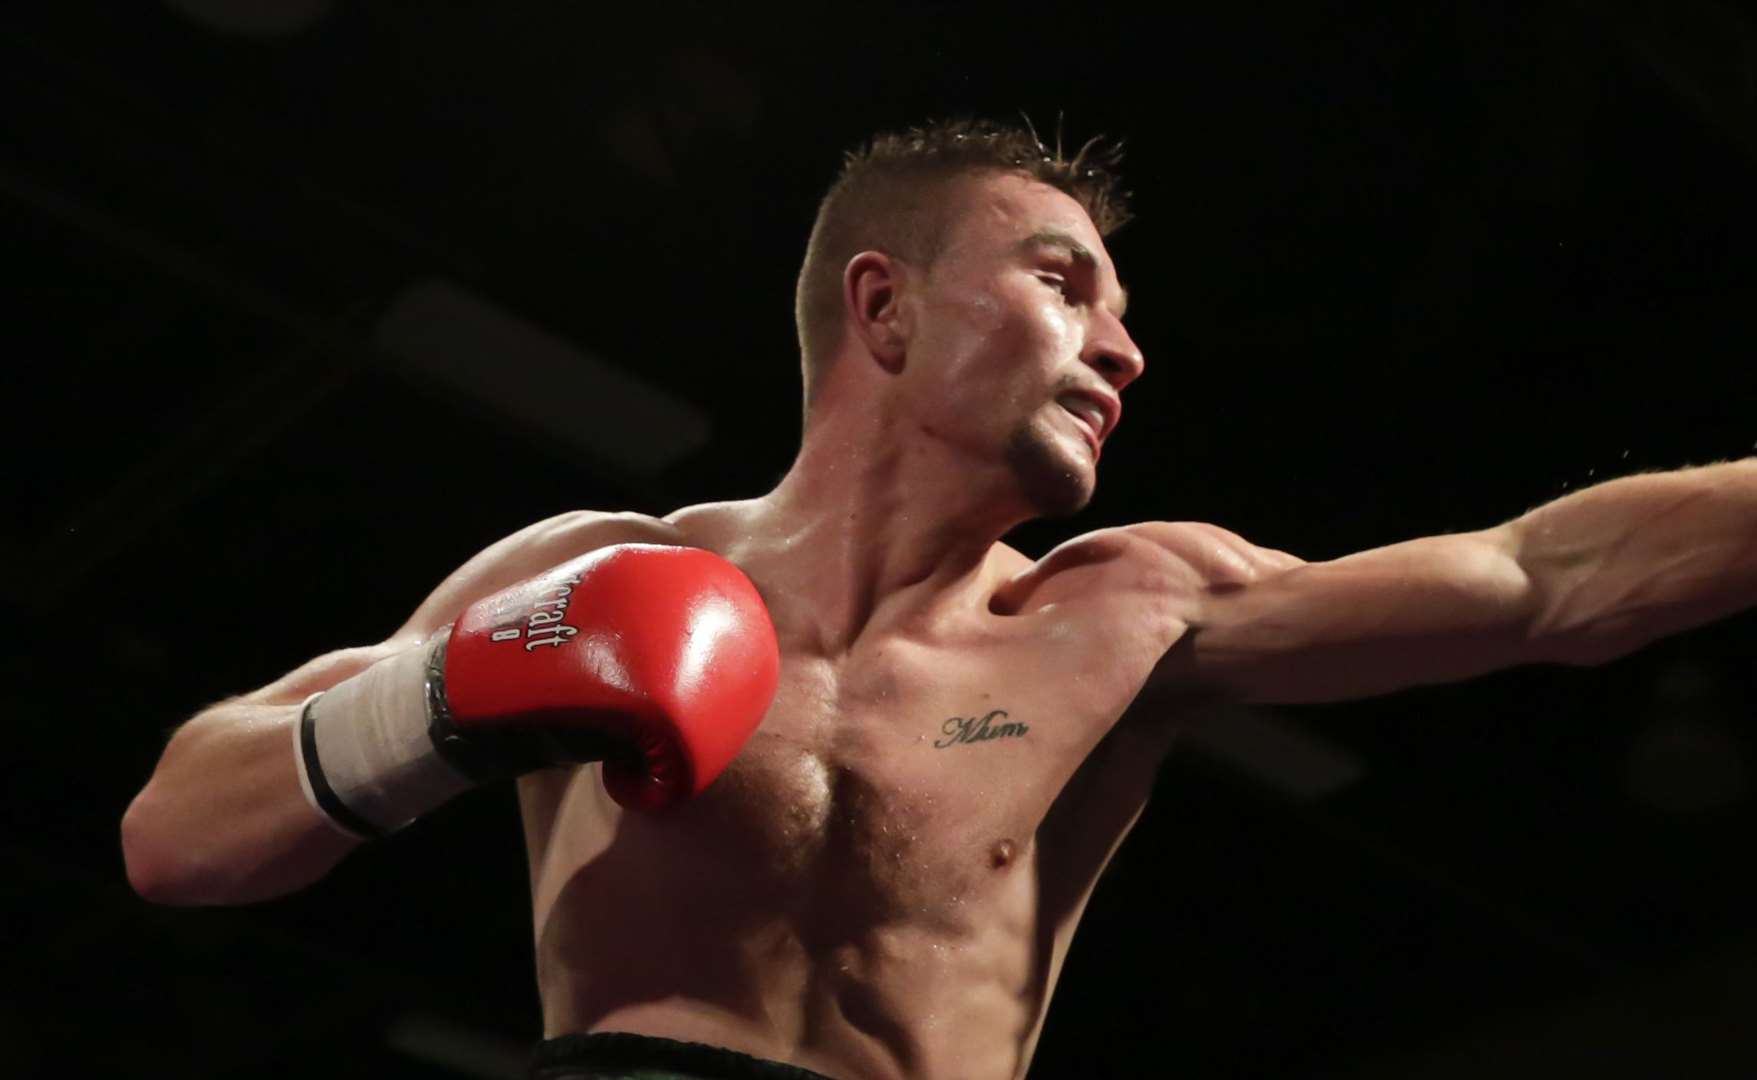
<point x="1018" y="352"/>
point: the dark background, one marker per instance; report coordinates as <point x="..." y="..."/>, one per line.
<point x="1399" y="269"/>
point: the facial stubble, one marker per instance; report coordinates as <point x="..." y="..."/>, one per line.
<point x="1054" y="485"/>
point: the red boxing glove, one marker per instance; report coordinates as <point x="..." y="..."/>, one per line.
<point x="659" y="660"/>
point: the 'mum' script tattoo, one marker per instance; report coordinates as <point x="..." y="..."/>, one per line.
<point x="969" y="729"/>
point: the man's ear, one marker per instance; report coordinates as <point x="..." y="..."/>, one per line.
<point x="872" y="296"/>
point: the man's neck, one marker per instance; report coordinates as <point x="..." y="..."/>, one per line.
<point x="888" y="531"/>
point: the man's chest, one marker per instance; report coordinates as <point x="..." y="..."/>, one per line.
<point x="911" y="774"/>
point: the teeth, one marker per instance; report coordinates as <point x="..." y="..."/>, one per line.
<point x="1086" y="411"/>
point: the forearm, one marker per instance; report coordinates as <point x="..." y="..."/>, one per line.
<point x="1628" y="561"/>
<point x="223" y="819"/>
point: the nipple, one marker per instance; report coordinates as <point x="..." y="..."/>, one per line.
<point x="1001" y="855"/>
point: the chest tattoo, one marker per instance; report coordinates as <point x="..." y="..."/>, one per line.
<point x="975" y="729"/>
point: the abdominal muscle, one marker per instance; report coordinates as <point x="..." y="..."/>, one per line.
<point x="894" y="1002"/>
<point x="858" y="960"/>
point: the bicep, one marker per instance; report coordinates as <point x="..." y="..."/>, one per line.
<point x="1439" y="609"/>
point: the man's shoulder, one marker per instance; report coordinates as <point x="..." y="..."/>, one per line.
<point x="554" y="540"/>
<point x="712" y="526"/>
<point x="1088" y="571"/>
<point x="723" y="527"/>
<point x="587" y="529"/>
<point x="1196" y="553"/>
<point x="530" y="550"/>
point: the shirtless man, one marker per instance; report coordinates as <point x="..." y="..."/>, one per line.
<point x="885" y="881"/>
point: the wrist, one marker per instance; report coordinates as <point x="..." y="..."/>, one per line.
<point x="366" y="752"/>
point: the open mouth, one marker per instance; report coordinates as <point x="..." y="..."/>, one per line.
<point x="1090" y="416"/>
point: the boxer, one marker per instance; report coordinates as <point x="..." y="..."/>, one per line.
<point x="886" y="875"/>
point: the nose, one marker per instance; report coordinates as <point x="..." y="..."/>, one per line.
<point x="1111" y="352"/>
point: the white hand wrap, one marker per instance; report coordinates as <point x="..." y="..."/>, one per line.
<point x="367" y="762"/>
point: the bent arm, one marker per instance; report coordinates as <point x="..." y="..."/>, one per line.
<point x="223" y="819"/>
<point x="1582" y="580"/>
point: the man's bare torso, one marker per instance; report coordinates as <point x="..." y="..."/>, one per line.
<point x="886" y="880"/>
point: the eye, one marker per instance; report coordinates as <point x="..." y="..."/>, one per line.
<point x="1059" y="284"/>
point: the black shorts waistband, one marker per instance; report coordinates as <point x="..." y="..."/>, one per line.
<point x="616" y="1055"/>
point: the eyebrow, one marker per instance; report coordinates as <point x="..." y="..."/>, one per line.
<point x="1079" y="252"/>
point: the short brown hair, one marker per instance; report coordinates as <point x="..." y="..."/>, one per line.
<point x="891" y="196"/>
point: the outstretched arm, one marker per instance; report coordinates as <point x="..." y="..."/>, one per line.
<point x="1581" y="580"/>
